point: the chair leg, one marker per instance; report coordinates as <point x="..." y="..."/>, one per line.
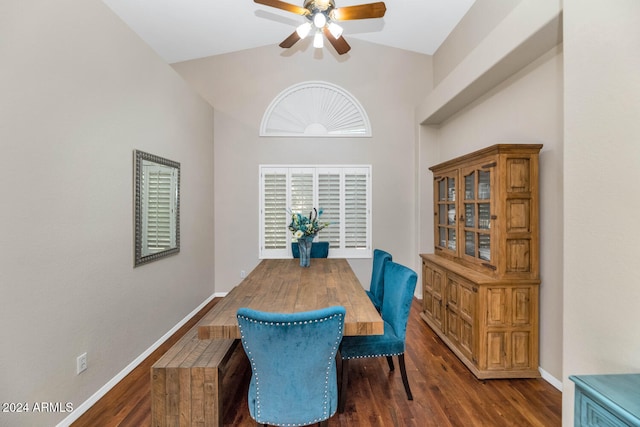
<point x="342" y="394"/>
<point x="390" y="362"/>
<point x="405" y="380"/>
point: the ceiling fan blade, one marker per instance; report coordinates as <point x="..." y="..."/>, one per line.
<point x="361" y="11"/>
<point x="340" y="44"/>
<point x="284" y="6"/>
<point x="290" y="41"/>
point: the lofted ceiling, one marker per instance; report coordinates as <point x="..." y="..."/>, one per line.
<point x="180" y="30"/>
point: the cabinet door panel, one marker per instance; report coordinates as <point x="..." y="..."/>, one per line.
<point x="427" y="289"/>
<point x="518" y="216"/>
<point x="518" y="175"/>
<point x="496" y="307"/>
<point x="466" y="338"/>
<point x="496" y="350"/>
<point x="521" y="307"/>
<point x="467" y="315"/>
<point x="520" y="349"/>
<point x="428" y="303"/>
<point x="467" y="302"/>
<point x="452" y="292"/>
<point x="518" y="255"/>
<point x="453" y="325"/>
<point x="438" y="284"/>
<point x="452" y="309"/>
<point x="432" y="293"/>
<point x="460" y="310"/>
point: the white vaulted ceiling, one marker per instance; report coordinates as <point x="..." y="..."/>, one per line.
<point x="179" y="30"/>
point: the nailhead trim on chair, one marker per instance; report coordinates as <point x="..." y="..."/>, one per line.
<point x="373" y="355"/>
<point x="327" y="372"/>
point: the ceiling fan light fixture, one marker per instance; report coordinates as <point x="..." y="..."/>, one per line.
<point x="319" y="20"/>
<point x="335" y="30"/>
<point x="318" y="42"/>
<point x="321" y="17"/>
<point x="303" y="30"/>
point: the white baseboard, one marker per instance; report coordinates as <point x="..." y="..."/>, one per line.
<point x="84" y="407"/>
<point x="550" y="379"/>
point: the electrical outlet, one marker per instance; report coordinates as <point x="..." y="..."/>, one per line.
<point x="81" y="363"/>
<point x="243" y="274"/>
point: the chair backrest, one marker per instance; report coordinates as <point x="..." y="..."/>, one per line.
<point x="318" y="250"/>
<point x="376" y="288"/>
<point x="399" y="286"/>
<point x="293" y="364"/>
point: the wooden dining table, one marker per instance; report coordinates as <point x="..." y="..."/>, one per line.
<point x="282" y="286"/>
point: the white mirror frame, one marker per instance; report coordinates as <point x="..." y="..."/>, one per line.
<point x="171" y="170"/>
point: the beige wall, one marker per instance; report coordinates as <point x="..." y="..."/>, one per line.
<point x="601" y="197"/>
<point x="80" y="92"/>
<point x="477" y="23"/>
<point x="387" y="82"/>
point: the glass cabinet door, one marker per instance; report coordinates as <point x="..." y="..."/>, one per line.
<point x="446" y="219"/>
<point x="476" y="221"/>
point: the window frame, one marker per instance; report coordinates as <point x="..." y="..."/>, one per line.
<point x="344" y="171"/>
<point x="160" y="186"/>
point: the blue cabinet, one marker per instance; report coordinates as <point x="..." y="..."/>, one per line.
<point x="607" y="400"/>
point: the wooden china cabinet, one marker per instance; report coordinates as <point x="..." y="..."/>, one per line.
<point x="481" y="285"/>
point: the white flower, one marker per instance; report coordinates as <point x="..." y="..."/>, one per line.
<point x="298" y="234"/>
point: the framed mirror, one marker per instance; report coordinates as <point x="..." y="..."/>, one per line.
<point x="157" y="207"/>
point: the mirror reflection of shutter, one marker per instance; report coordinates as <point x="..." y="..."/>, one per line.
<point x="301" y="191"/>
<point x="275" y="217"/>
<point x="356" y="212"/>
<point x="329" y="201"/>
<point x="158" y="234"/>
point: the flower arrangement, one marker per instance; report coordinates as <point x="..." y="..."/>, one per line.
<point x="302" y="226"/>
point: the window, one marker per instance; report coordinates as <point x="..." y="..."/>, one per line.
<point x="343" y="193"/>
<point x="159" y="184"/>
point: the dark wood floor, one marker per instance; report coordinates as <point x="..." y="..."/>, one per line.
<point x="445" y="392"/>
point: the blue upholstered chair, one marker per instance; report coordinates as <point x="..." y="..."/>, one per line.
<point x="399" y="285"/>
<point x="293" y="363"/>
<point x="318" y="250"/>
<point x="376" y="288"/>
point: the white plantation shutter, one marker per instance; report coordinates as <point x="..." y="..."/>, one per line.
<point x="356" y="210"/>
<point x="342" y="192"/>
<point x="274" y="218"/>
<point x="329" y="197"/>
<point x="302" y="191"/>
<point x="158" y="233"/>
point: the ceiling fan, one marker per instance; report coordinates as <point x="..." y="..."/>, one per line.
<point x="322" y="16"/>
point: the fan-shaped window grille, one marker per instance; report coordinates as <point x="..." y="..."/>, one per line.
<point x="315" y="109"/>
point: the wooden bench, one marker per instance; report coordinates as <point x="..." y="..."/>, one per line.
<point x="186" y="382"/>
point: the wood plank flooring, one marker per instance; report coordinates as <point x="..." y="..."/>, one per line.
<point x="445" y="392"/>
